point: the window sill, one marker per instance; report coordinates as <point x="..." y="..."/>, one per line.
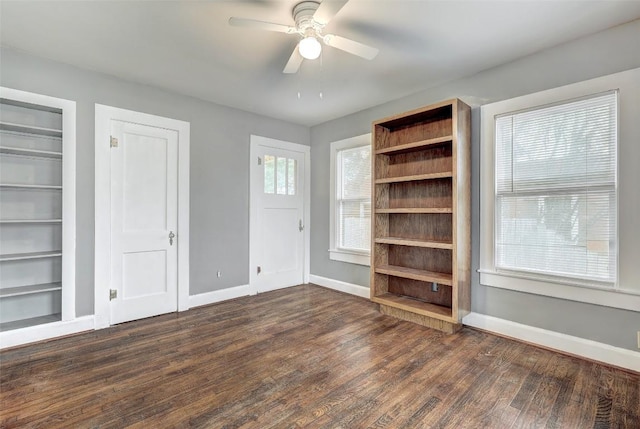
<point x="616" y="298"/>
<point x="350" y="257"/>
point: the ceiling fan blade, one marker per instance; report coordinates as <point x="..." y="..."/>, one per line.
<point x="351" y="46"/>
<point x="261" y="25"/>
<point x="327" y="10"/>
<point x="295" y="60"/>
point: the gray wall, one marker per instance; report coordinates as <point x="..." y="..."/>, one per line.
<point x="604" y="53"/>
<point x="219" y="164"/>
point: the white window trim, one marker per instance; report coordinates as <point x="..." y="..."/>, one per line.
<point x="335" y="253"/>
<point x="624" y="295"/>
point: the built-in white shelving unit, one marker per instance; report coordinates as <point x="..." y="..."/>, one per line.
<point x="37" y="210"/>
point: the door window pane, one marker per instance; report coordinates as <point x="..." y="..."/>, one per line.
<point x="281" y="176"/>
<point x="291" y="176"/>
<point x="269" y="174"/>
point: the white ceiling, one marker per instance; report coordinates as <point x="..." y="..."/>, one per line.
<point x="189" y="48"/>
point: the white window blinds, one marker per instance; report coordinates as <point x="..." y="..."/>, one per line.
<point x="353" y="198"/>
<point x="556" y="189"/>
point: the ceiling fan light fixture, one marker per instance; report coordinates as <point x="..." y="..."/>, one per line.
<point x="310" y="48"/>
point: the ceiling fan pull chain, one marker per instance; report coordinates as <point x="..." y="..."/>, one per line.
<point x="320" y="94"/>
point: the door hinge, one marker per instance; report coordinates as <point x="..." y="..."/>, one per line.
<point x="259" y="161"/>
<point x="113" y="141"/>
<point x="113" y="294"/>
<point x="259" y="270"/>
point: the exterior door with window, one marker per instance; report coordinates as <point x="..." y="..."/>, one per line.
<point x="277" y="236"/>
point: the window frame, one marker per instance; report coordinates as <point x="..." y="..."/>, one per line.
<point x="559" y="188"/>
<point x="620" y="295"/>
<point x="336" y="253"/>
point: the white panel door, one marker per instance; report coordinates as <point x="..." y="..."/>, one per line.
<point x="278" y="199"/>
<point x="144" y="191"/>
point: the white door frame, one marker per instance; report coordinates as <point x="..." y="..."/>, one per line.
<point x="102" y="264"/>
<point x="253" y="221"/>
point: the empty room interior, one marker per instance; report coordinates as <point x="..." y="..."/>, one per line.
<point x="321" y="214"/>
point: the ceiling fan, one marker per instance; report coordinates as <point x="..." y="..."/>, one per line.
<point x="310" y="18"/>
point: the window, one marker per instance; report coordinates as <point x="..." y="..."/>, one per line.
<point x="558" y="180"/>
<point x="280" y="175"/>
<point x="350" y="206"/>
<point x="556" y="189"/>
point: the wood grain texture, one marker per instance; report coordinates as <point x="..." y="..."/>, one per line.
<point x="462" y="209"/>
<point x="304" y="357"/>
<point x="403" y="210"/>
<point x="430" y="160"/>
<point x="381" y="284"/>
<point x="380" y="226"/>
<point x="436" y="260"/>
<point x="414" y="316"/>
<point x="399" y="241"/>
<point x="414" y="146"/>
<point x="414" y="177"/>
<point x="427" y="227"/>
<point x="421" y="290"/>
<point x="422" y="158"/>
<point x="414" y="274"/>
<point x="437" y="194"/>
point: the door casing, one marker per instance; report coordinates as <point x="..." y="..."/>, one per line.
<point x="102" y="262"/>
<point x="253" y="221"/>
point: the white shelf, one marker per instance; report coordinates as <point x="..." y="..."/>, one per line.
<point x="33" y="255"/>
<point x="25" y="323"/>
<point x="29" y="289"/>
<point x="24" y="186"/>
<point x="19" y="221"/>
<point x="30" y="152"/>
<point x="37" y="138"/>
<point x="29" y="129"/>
<point x="26" y="105"/>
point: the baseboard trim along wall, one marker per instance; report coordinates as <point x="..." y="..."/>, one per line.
<point x="577" y="346"/>
<point x="218" y="296"/>
<point x="46" y="331"/>
<point x="349" y="288"/>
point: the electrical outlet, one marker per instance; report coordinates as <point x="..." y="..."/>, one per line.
<point x="219" y="274"/>
<point x="639" y="339"/>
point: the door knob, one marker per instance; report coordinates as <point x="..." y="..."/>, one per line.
<point x="171" y="237"/>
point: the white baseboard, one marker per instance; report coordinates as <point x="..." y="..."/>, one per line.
<point x="218" y="295"/>
<point x="589" y="349"/>
<point x="45" y="331"/>
<point x="349" y="288"/>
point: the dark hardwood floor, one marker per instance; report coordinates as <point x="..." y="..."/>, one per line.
<point x="304" y="357"/>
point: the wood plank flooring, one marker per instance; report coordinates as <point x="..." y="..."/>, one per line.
<point x="304" y="357"/>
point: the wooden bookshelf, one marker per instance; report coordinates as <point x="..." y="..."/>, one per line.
<point x="421" y="232"/>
